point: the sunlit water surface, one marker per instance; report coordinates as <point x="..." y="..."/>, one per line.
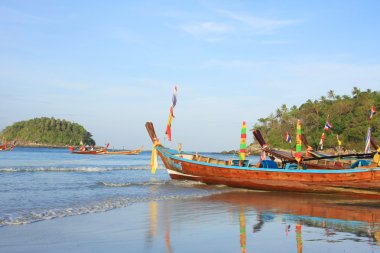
<point x="141" y="212"/>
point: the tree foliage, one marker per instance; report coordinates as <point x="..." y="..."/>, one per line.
<point x="47" y="131"/>
<point x="348" y="115"/>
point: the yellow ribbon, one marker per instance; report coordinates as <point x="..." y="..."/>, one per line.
<point x="153" y="158"/>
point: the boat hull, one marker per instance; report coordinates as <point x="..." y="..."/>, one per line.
<point x="124" y="152"/>
<point x="365" y="182"/>
<point x="93" y="152"/>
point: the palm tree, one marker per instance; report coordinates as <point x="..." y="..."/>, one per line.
<point x="356" y="92"/>
<point x="284" y="108"/>
<point x="278" y="113"/>
<point x="331" y="94"/>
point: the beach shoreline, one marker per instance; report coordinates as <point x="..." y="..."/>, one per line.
<point x="223" y="222"/>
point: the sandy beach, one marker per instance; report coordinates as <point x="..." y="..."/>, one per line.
<point x="234" y="221"/>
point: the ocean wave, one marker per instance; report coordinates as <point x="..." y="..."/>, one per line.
<point x="102" y="206"/>
<point x="127" y="184"/>
<point x="182" y="183"/>
<point x="35" y="216"/>
<point x="71" y="169"/>
<point x="186" y="183"/>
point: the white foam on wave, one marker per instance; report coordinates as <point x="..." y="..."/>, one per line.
<point x="71" y="169"/>
<point x="114" y="184"/>
<point x="126" y="184"/>
<point x="101" y="206"/>
<point x="187" y="183"/>
<point x="35" y="216"/>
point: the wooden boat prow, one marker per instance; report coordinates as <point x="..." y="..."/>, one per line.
<point x="188" y="166"/>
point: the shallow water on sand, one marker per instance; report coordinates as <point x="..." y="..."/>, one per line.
<point x="114" y="204"/>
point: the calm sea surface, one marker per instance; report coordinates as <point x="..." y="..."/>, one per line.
<point x="151" y="213"/>
<point x="40" y="183"/>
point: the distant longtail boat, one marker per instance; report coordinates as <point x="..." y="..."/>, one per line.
<point x="6" y="147"/>
<point x="125" y="152"/>
<point x="83" y="151"/>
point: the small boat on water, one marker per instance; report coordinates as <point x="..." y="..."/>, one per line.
<point x="85" y="151"/>
<point x="360" y="181"/>
<point x="6" y="147"/>
<point x="125" y="152"/>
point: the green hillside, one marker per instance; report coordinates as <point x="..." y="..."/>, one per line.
<point x="349" y="116"/>
<point x="47" y="131"/>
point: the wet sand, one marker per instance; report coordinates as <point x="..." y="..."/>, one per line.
<point x="236" y="221"/>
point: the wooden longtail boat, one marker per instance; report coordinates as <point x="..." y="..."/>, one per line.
<point x="125" y="152"/>
<point x="90" y="152"/>
<point x="190" y="166"/>
<point x="6" y="147"/>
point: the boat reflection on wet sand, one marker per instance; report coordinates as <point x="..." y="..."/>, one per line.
<point x="298" y="222"/>
<point x="323" y="211"/>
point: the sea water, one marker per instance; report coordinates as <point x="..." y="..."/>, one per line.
<point x="55" y="201"/>
<point x="44" y="183"/>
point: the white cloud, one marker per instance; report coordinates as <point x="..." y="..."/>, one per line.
<point x="277" y="42"/>
<point x="206" y="28"/>
<point x="258" y="24"/>
<point x="231" y="23"/>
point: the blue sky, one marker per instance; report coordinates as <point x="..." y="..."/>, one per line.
<point x="111" y="65"/>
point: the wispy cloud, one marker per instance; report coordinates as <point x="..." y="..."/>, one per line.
<point x="259" y="24"/>
<point x="277" y="42"/>
<point x="222" y="23"/>
<point x="206" y="28"/>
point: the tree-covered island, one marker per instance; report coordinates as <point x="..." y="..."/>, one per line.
<point x="46" y="132"/>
